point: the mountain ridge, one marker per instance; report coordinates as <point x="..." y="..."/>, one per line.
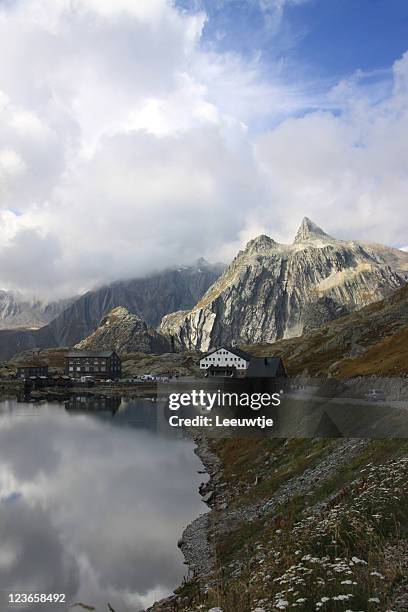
<point x="269" y="289"/>
<point x="370" y="341"/>
<point x="17" y="312"/>
<point x="150" y="297"/>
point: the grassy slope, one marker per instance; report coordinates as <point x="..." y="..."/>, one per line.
<point x="386" y="358"/>
<point x="345" y="541"/>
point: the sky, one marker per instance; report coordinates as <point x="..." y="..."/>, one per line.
<point x="141" y="134"/>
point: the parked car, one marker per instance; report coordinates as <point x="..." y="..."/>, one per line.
<point x="85" y="379"/>
<point x="375" y="395"/>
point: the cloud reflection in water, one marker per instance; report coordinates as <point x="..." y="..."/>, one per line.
<point x="92" y="509"/>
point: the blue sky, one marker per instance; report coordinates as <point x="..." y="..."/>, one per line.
<point x="320" y="41"/>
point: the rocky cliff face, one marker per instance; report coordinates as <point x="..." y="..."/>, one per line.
<point x="125" y="333"/>
<point x="370" y="341"/>
<point x="18" y="313"/>
<point x="151" y="298"/>
<point x="272" y="291"/>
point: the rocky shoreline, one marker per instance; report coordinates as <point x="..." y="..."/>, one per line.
<point x="195" y="542"/>
<point x="197" y="539"/>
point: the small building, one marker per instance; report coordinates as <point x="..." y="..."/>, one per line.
<point x="266" y="367"/>
<point x="231" y="362"/>
<point x="266" y="374"/>
<point x="98" y="364"/>
<point x="32" y="370"/>
<point x="225" y="362"/>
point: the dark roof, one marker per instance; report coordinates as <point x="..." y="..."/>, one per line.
<point x="265" y="367"/>
<point x="90" y="354"/>
<point x="235" y="351"/>
<point x="30" y="366"/>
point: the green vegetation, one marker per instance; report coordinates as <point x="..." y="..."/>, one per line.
<point x="341" y="546"/>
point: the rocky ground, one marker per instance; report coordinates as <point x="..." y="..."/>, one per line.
<point x="299" y="524"/>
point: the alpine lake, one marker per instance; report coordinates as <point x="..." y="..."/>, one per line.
<point x="94" y="495"/>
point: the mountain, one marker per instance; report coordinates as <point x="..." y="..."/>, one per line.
<point x="370" y="341"/>
<point x="272" y="291"/>
<point x="19" y="313"/>
<point x="125" y="333"/>
<point x="151" y="298"/>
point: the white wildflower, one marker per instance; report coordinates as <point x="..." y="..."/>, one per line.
<point x="357" y="560"/>
<point x="377" y="574"/>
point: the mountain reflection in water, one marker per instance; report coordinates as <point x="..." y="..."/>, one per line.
<point x="93" y="498"/>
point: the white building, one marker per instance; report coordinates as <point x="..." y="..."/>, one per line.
<point x="225" y="362"/>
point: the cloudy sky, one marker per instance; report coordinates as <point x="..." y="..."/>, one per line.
<point x="137" y="134"/>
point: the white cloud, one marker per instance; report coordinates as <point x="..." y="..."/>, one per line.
<point x="347" y="171"/>
<point x="274" y="10"/>
<point x="125" y="146"/>
<point x="11" y="163"/>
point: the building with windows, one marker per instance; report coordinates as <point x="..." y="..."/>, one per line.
<point x="225" y="362"/>
<point x="231" y="362"/>
<point x="98" y="364"/>
<point x="34" y="369"/>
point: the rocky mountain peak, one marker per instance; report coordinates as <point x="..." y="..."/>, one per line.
<point x="124" y="332"/>
<point x="260" y="244"/>
<point x="201" y="263"/>
<point x="309" y="230"/>
<point x="272" y="291"/>
<point x="120" y="312"/>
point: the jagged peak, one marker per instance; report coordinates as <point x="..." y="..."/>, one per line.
<point x="201" y="262"/>
<point x="121" y="313"/>
<point x="308" y="229"/>
<point x="260" y="243"/>
<point x="118" y="311"/>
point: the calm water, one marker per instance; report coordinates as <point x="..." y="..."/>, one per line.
<point x="93" y="498"/>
